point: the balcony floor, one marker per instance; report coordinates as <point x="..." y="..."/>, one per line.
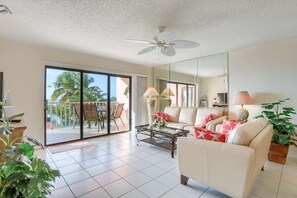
<point x="65" y="134"/>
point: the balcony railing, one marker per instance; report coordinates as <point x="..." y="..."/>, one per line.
<point x="63" y="114"/>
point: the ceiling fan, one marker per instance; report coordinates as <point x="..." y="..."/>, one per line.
<point x="166" y="42"/>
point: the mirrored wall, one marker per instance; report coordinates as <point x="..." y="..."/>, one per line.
<point x="199" y="82"/>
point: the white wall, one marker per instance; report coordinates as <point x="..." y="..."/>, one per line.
<point x="268" y="72"/>
<point x="23" y="67"/>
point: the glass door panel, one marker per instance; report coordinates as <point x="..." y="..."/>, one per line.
<point x="183" y="95"/>
<point x="173" y="88"/>
<point x="62" y="113"/>
<point x="191" y="96"/>
<point x="119" y="104"/>
<point x="94" y="104"/>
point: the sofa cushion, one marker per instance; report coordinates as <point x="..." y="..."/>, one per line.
<point x="228" y="125"/>
<point x="204" y="134"/>
<point x="202" y="113"/>
<point x="187" y="115"/>
<point x="163" y="115"/>
<point x="173" y="113"/>
<point x="191" y="129"/>
<point x="244" y="134"/>
<point x="177" y="125"/>
<point x="207" y="119"/>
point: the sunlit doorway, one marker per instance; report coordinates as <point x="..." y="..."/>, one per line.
<point x="101" y="100"/>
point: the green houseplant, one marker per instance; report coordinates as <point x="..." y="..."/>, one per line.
<point x="160" y="123"/>
<point x="284" y="132"/>
<point x="22" y="174"/>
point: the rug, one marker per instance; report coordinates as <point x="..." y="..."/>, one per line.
<point x="69" y="146"/>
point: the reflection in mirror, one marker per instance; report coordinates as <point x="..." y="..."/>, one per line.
<point x="199" y="82"/>
<point x="213" y="75"/>
<point x="161" y="74"/>
<point x="183" y="82"/>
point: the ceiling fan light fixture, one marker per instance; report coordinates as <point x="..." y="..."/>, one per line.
<point x="166" y="42"/>
<point x="4" y="9"/>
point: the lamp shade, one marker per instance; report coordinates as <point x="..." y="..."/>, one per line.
<point x="151" y="92"/>
<point x="242" y="98"/>
<point x="167" y="92"/>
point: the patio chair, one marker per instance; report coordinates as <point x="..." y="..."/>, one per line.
<point x="91" y="114"/>
<point x="117" y="114"/>
<point x="76" y="108"/>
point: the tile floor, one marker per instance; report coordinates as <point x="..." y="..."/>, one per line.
<point x="117" y="167"/>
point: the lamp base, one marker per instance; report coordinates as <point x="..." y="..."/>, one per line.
<point x="151" y="107"/>
<point x="242" y="114"/>
<point x="167" y="102"/>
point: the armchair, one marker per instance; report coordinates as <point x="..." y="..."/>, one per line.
<point x="232" y="167"/>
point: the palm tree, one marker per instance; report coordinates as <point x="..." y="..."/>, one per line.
<point x="67" y="88"/>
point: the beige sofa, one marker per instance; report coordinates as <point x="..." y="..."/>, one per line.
<point x="190" y="117"/>
<point x="231" y="167"/>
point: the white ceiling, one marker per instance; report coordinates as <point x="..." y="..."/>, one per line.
<point x="101" y="27"/>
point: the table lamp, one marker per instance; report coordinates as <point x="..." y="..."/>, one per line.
<point x="166" y="93"/>
<point x="242" y="98"/>
<point x="151" y="92"/>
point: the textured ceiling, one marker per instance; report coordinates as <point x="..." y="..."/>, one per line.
<point x="100" y="27"/>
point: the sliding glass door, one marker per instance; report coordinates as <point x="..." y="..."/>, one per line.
<point x="82" y="104"/>
<point x="119" y="104"/>
<point x="94" y="104"/>
<point x="62" y="105"/>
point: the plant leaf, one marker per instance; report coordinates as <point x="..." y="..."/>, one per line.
<point x="26" y="149"/>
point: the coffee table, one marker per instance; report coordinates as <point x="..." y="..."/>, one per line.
<point x="167" y="136"/>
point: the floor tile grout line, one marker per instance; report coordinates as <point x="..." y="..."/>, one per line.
<point x="280" y="179"/>
<point x="138" y="159"/>
<point x="100" y="186"/>
<point x="256" y="195"/>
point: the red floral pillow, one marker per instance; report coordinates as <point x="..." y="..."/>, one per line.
<point x="228" y="125"/>
<point x="163" y="115"/>
<point x="208" y="118"/>
<point x="204" y="134"/>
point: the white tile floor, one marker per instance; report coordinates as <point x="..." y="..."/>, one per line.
<point x="116" y="167"/>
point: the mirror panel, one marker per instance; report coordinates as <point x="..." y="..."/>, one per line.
<point x="199" y="82"/>
<point x="213" y="75"/>
<point x="184" y="76"/>
<point x="161" y="77"/>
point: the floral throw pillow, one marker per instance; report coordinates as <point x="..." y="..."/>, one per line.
<point x="228" y="125"/>
<point x="207" y="119"/>
<point x="163" y="115"/>
<point x="205" y="134"/>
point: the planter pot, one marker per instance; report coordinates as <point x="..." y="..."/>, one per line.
<point x="278" y="153"/>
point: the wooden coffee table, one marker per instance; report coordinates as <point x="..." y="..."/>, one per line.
<point x="167" y="136"/>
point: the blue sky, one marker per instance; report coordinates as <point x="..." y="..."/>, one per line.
<point x="99" y="80"/>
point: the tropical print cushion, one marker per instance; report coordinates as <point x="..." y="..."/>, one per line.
<point x="205" y="134"/>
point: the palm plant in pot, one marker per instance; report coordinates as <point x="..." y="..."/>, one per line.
<point x="284" y="132"/>
<point x="22" y="174"/>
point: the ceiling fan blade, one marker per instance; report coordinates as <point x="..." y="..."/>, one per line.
<point x="166" y="36"/>
<point x="168" y="51"/>
<point x="156" y="39"/>
<point x="146" y="50"/>
<point x="184" y="44"/>
<point x="140" y="41"/>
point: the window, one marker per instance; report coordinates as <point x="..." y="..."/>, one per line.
<point x="184" y="94"/>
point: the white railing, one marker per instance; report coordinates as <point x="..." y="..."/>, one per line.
<point x="63" y="114"/>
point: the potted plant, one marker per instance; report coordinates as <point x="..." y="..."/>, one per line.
<point x="159" y="123"/>
<point x="22" y="174"/>
<point x="284" y="132"/>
